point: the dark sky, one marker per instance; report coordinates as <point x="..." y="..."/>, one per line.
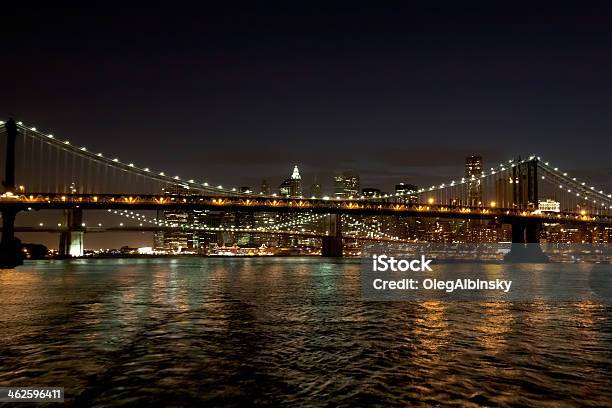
<point x="398" y="92"/>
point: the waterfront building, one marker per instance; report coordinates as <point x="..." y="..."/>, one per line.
<point x="549" y="205"/>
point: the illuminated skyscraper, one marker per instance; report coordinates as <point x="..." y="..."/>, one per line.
<point x="346" y="185"/>
<point x="473" y="171"/>
<point x="179" y="240"/>
<point x="407" y="192"/>
<point x="296" y="173"/>
<point x="292" y="187"/>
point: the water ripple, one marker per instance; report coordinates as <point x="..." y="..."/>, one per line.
<point x="286" y="331"/>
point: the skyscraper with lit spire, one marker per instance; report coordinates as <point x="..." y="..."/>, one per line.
<point x="292" y="187"/>
<point x="296" y="173"/>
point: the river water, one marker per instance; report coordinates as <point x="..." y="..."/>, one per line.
<point x="287" y="331"/>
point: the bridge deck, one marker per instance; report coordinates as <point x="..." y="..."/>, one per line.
<point x="291" y="205"/>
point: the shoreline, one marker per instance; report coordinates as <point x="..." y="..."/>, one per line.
<point x="356" y="258"/>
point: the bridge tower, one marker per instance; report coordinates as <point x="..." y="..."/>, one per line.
<point x="525" y="184"/>
<point x="332" y="243"/>
<point x="71" y="239"/>
<point x="10" y="247"/>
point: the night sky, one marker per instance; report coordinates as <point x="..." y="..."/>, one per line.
<point x="232" y="94"/>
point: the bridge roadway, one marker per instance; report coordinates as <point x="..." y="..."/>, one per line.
<point x="41" y="201"/>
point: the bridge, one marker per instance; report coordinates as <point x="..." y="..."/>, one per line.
<point x="45" y="172"/>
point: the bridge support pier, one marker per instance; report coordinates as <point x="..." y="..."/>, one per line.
<point x="332" y="247"/>
<point x="332" y="244"/>
<point x="525" y="243"/>
<point x="10" y="247"/>
<point x="71" y="240"/>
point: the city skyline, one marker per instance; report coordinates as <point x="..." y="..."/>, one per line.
<point x="472" y="165"/>
<point x="346" y="184"/>
<point x="511" y="189"/>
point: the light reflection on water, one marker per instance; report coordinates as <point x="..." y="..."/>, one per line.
<point x="286" y="330"/>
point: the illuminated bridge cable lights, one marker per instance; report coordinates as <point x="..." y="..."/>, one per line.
<point x="161" y="176"/>
<point x="568" y="188"/>
<point x="442" y="189"/>
<point x="602" y="199"/>
<point x="579" y="185"/>
<point x="369" y="230"/>
<point x="271" y="228"/>
<point x="83" y="152"/>
<point x="89" y="171"/>
<point x="300" y="221"/>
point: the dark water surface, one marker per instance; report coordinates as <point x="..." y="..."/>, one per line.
<point x="208" y="332"/>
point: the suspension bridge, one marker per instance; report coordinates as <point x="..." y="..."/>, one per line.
<point x="46" y="172"/>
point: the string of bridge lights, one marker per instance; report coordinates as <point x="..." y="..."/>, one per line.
<point x="277" y="227"/>
<point x="504" y="167"/>
<point x="144" y="171"/>
<point x="372" y="229"/>
<point x="581" y="185"/>
<point x="191" y="183"/>
<point x="139" y="217"/>
<point x="304" y="220"/>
